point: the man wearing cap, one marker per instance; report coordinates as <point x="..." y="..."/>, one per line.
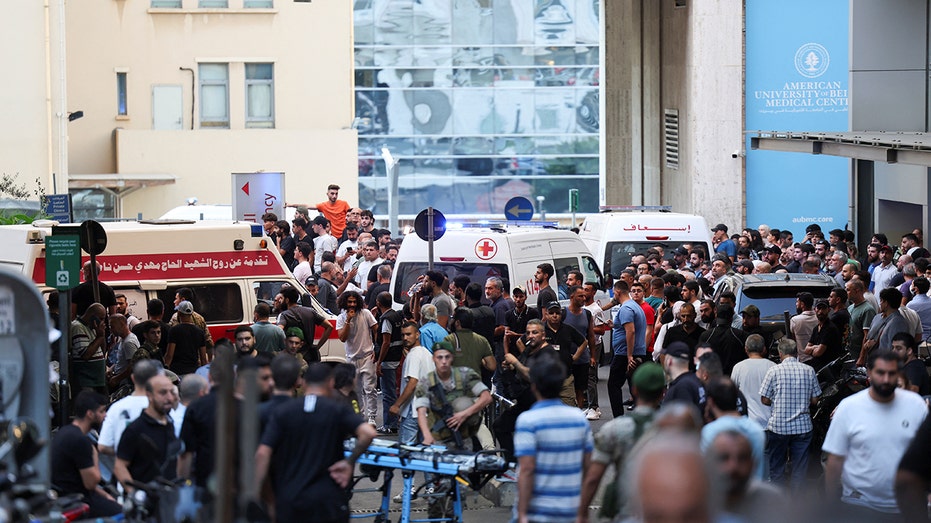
<point x="723" y="244"/>
<point x="569" y="343"/>
<point x="294" y="342"/>
<point x="726" y="341"/>
<point x="884" y="272"/>
<point x="680" y="258"/>
<point x="771" y="256"/>
<point x="323" y="241"/>
<point x="750" y="323"/>
<point x="615" y="439"/>
<point x="684" y="385"/>
<point x="187" y="348"/>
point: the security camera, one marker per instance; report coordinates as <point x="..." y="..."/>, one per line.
<point x="736" y="154"/>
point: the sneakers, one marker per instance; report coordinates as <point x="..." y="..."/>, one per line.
<point x="372" y="422"/>
<point x="398" y="498"/>
<point x="386" y="431"/>
<point x="593" y="414"/>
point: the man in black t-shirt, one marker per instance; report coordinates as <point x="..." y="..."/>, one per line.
<point x="83" y="295"/>
<point x="302" y="451"/>
<point x="566" y="340"/>
<point x="187" y="343"/>
<point x="305" y="318"/>
<point x="903" y="344"/>
<point x="546" y="293"/>
<point x="536" y="347"/>
<point x="684" y="385"/>
<point x="74" y="467"/>
<point x="149" y="448"/>
<point x="826" y="342"/>
<point x="388" y="363"/>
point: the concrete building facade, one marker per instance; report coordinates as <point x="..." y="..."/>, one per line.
<point x="177" y="94"/>
<point x="673" y="111"/>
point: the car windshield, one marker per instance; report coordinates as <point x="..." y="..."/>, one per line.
<point x="618" y="254"/>
<point x="477" y="273"/>
<point x="774" y="301"/>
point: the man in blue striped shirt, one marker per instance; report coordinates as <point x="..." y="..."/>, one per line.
<point x="553" y="444"/>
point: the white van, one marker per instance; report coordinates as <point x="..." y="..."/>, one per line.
<point x="616" y="235"/>
<point x="509" y="251"/>
<point x="230" y="267"/>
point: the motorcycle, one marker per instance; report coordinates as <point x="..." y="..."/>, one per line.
<point x="838" y="379"/>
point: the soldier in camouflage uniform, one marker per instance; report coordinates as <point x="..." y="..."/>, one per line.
<point x="449" y="405"/>
<point x="449" y="402"/>
<point x="616" y="440"/>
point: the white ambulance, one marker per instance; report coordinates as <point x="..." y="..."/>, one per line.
<point x="505" y="250"/>
<point x="618" y="233"/>
<point x="230" y="266"/>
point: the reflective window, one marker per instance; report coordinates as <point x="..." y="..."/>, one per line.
<point x="480" y="101"/>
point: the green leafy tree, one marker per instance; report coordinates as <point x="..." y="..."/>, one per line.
<point x="11" y="189"/>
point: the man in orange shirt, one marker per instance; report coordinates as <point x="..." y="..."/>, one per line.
<point x="333" y="209"/>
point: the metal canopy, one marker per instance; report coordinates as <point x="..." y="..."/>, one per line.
<point x="911" y="148"/>
<point x="118" y="182"/>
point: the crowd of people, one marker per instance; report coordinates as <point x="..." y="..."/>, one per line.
<point x="712" y="426"/>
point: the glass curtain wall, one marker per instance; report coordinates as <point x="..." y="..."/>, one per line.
<point x="479" y="100"/>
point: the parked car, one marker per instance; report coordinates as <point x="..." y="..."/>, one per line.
<point x="774" y="294"/>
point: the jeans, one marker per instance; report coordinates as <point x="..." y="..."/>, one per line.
<point x="407" y="430"/>
<point x="389" y="392"/>
<point x="793" y="446"/>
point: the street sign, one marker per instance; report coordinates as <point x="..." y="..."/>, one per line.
<point x="58" y="207"/>
<point x="518" y="208"/>
<point x="62" y="261"/>
<point x="422" y="228"/>
<point x="255" y="194"/>
<point x="93" y="237"/>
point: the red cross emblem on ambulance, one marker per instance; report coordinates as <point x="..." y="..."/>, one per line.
<point x="486" y="248"/>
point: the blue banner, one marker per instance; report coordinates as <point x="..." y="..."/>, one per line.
<point x="797" y="66"/>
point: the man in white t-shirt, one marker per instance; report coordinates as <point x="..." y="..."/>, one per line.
<point x="303" y="254"/>
<point x="867" y="438"/>
<point x="125" y="411"/>
<point x="418" y="362"/>
<point x="748" y="376"/>
<point x="369" y="259"/>
<point x="323" y="242"/>
<point x="346" y="253"/>
<point x="355" y="325"/>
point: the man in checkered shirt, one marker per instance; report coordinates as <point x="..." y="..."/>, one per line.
<point x="790" y="387"/>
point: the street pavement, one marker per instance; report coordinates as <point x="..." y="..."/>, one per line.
<point x="475" y="507"/>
